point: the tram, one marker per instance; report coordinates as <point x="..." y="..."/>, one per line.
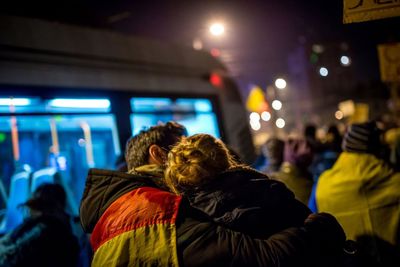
<point x="71" y="96"/>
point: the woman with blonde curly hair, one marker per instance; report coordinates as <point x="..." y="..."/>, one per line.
<point x="201" y="168"/>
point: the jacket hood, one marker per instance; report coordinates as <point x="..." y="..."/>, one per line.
<point x="241" y="197"/>
<point x="235" y="188"/>
<point x="365" y="168"/>
<point x="222" y="189"/>
<point x="102" y="188"/>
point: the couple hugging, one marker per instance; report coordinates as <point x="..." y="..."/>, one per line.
<point x="187" y="201"/>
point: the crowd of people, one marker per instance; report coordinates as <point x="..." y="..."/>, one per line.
<point x="179" y="200"/>
<point x="353" y="177"/>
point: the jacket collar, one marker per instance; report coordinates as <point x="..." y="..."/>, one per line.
<point x="102" y="188"/>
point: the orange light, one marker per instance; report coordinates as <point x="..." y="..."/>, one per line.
<point x="14" y="133"/>
<point x="216" y="80"/>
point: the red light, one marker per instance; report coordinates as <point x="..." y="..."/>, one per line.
<point x="215" y="80"/>
<point x="215" y="52"/>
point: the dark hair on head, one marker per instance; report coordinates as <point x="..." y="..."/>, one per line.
<point x="47" y="198"/>
<point x="310" y="131"/>
<point x="333" y="129"/>
<point x="164" y="135"/>
<point x="273" y="150"/>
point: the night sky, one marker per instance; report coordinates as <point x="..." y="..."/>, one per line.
<point x="259" y="37"/>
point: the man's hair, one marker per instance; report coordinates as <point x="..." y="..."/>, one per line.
<point x="164" y="135"/>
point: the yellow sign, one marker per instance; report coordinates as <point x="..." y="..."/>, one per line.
<point x="389" y="61"/>
<point x="256" y="100"/>
<point x="361" y="113"/>
<point x="347" y="107"/>
<point x="364" y="10"/>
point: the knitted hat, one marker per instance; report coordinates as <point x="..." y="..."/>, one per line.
<point x="47" y="197"/>
<point x="362" y="138"/>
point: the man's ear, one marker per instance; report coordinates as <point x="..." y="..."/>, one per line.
<point x="157" y="155"/>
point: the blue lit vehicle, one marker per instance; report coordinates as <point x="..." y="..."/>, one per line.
<point x="70" y="97"/>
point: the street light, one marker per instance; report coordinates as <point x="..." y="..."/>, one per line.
<point x="280" y="83"/>
<point x="323" y="71"/>
<point x="265" y="116"/>
<point x="255" y="125"/>
<point x="276" y="104"/>
<point x="339" y="115"/>
<point x="254" y="116"/>
<point x="345" y="61"/>
<point x="197" y="44"/>
<point x="280" y="123"/>
<point x="217" y="29"/>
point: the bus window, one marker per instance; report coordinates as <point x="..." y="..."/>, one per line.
<point x="196" y="115"/>
<point x="70" y="143"/>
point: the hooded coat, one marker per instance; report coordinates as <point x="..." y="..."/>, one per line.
<point x="248" y="201"/>
<point x="363" y="193"/>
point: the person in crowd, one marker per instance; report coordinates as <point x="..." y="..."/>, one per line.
<point x="310" y="132"/>
<point x="310" y="135"/>
<point x="134" y="221"/>
<point x="45" y="238"/>
<point x="201" y="168"/>
<point x="333" y="139"/>
<point x="294" y="173"/>
<point x="273" y="151"/>
<point x="324" y="160"/>
<point x="362" y="192"/>
<point x="392" y="138"/>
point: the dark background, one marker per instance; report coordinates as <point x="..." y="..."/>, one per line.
<point x="259" y="37"/>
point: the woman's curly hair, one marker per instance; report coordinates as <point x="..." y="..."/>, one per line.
<point x="195" y="160"/>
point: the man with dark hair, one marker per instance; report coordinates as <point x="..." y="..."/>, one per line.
<point x="152" y="145"/>
<point x="135" y="222"/>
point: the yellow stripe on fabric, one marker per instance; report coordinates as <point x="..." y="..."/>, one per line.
<point x="153" y="245"/>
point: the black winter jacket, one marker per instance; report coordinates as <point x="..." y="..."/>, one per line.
<point x="247" y="201"/>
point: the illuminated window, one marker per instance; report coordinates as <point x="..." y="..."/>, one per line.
<point x="78" y="105"/>
<point x="195" y="114"/>
<point x="57" y="105"/>
<point x="66" y="143"/>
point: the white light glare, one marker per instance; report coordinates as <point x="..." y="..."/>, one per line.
<point x="317" y="48"/>
<point x="276" y="104"/>
<point x="255" y="125"/>
<point x="265" y="116"/>
<point x="217" y="29"/>
<point x="280" y="83"/>
<point x="339" y="115"/>
<point x="280" y="123"/>
<point x="15" y="101"/>
<point x="80" y="103"/>
<point x="197" y="44"/>
<point x="254" y="116"/>
<point x="323" y="71"/>
<point x="345" y="60"/>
